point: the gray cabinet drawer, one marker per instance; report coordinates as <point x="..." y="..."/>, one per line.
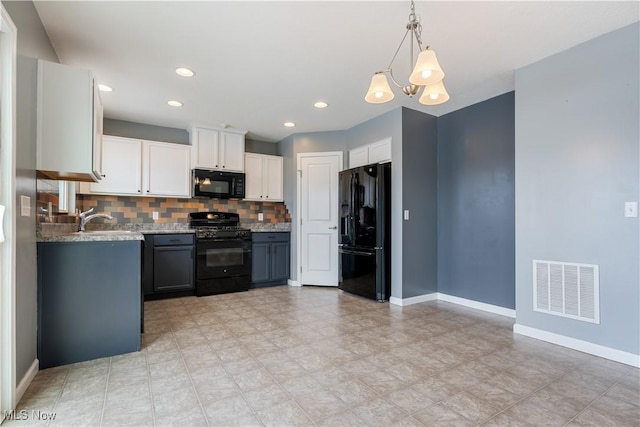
<point x="270" y="237"/>
<point x="173" y="239"/>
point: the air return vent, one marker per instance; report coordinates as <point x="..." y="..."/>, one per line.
<point x="566" y="289"/>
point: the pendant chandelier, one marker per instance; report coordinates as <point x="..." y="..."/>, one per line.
<point x="426" y="73"/>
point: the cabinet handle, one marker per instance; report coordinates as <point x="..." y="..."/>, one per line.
<point x="139" y="191"/>
<point x="216" y="165"/>
<point x="104" y="176"/>
<point x="148" y="191"/>
<point x="261" y="197"/>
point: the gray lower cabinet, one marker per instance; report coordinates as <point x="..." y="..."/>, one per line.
<point x="169" y="265"/>
<point x="269" y="259"/>
<point x="89" y="300"/>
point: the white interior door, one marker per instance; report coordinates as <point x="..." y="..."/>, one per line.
<point x="319" y="217"/>
<point x="7" y="224"/>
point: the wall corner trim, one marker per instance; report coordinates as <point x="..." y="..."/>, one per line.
<point x="495" y="309"/>
<point x="580" y="345"/>
<point x="413" y="300"/>
<point x="293" y="283"/>
<point x="26" y="380"/>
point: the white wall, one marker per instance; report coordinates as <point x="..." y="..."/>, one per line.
<point x="577" y="162"/>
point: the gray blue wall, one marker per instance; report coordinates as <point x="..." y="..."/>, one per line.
<point x="32" y="42"/>
<point x="419" y="196"/>
<point x="166" y="134"/>
<point x="577" y="162"/>
<point x="476" y="202"/>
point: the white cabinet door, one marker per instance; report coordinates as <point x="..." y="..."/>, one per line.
<point x="121" y="166"/>
<point x="231" y="152"/>
<point x="254" y="172"/>
<point x="65" y="131"/>
<point x="206" y="146"/>
<point x="358" y="157"/>
<point x="166" y="169"/>
<point x="272" y="179"/>
<point x="97" y="132"/>
<point x="380" y="152"/>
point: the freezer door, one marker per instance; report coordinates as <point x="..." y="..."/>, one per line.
<point x="358" y="268"/>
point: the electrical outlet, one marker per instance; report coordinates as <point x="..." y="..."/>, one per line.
<point x="156" y="215"/>
<point x="260" y="216"/>
<point x="406" y="214"/>
<point x="631" y="209"/>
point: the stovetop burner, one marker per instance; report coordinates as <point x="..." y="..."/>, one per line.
<point x="218" y="225"/>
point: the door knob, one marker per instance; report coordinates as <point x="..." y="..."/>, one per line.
<point x="333" y="228"/>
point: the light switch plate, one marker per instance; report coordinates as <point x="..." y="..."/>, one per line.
<point x="25" y="206"/>
<point x="631" y="209"/>
<point x="155" y="215"/>
<point x="260" y="216"/>
<point x="406" y="214"/>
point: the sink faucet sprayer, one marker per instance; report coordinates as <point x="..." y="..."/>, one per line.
<point x="85" y="218"/>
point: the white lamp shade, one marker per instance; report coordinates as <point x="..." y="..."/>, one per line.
<point x="434" y="94"/>
<point x="379" y="90"/>
<point x="427" y="70"/>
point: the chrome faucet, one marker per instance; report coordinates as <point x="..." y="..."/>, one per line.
<point x="85" y="218"/>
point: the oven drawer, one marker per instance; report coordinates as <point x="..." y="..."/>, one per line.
<point x="222" y="285"/>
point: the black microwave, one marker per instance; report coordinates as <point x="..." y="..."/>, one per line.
<point x="218" y="184"/>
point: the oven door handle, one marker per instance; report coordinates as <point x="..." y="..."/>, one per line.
<point x="218" y="240"/>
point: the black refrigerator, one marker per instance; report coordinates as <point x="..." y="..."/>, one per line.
<point x="365" y="231"/>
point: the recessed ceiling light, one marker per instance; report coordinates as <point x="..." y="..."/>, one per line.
<point x="175" y="103"/>
<point x="321" y="104"/>
<point x="184" y="72"/>
<point x="289" y="124"/>
<point x="105" y="88"/>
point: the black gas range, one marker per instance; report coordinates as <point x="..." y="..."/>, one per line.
<point x="223" y="253"/>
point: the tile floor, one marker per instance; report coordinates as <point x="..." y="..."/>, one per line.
<point x="288" y="356"/>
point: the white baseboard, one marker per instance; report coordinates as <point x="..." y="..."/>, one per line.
<point x="576" y="344"/>
<point x="293" y="282"/>
<point x="26" y="380"/>
<point x="495" y="309"/>
<point x="413" y="300"/>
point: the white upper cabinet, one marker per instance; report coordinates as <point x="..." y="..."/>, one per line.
<point x="358" y="157"/>
<point x="263" y="178"/>
<point x="205" y="146"/>
<point x="254" y="175"/>
<point x="217" y="149"/>
<point x="143" y="168"/>
<point x="69" y="123"/>
<point x="231" y="151"/>
<point x="380" y="152"/>
<point x="166" y="169"/>
<point x="377" y="152"/>
<point x="122" y="167"/>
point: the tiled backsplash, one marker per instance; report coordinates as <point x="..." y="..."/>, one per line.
<point x="131" y="209"/>
<point x="170" y="210"/>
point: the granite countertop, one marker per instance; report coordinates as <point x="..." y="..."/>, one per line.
<point x="105" y="232"/>
<point x="266" y="227"/>
<point x="117" y="232"/>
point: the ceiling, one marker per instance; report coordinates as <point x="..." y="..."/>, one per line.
<point x="260" y="64"/>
